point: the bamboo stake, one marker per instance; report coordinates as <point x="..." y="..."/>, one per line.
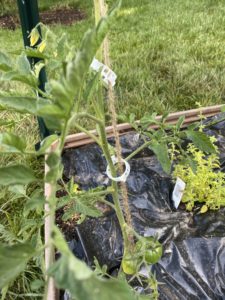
<point x="52" y="292"/>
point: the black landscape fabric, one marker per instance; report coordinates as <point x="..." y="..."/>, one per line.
<point x="193" y="264"/>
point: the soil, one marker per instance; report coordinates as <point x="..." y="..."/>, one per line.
<point x="67" y="227"/>
<point x="63" y="15"/>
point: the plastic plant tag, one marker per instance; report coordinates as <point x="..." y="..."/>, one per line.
<point x="108" y="76"/>
<point x="178" y="192"/>
<point x="126" y="173"/>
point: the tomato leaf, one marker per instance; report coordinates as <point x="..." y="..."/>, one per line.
<point x="23" y="65"/>
<point x="75" y="276"/>
<point x="180" y="122"/>
<point x="161" y="151"/>
<point x="88" y="209"/>
<point x="62" y="96"/>
<point x="28" y="79"/>
<point x="201" y="141"/>
<point x="16" y="174"/>
<point x="51" y="110"/>
<point x="46" y="143"/>
<point x="22" y="104"/>
<point x="35" y="202"/>
<point x="11" y="143"/>
<point x="55" y="167"/>
<point x="13" y="260"/>
<point x="34" y="36"/>
<point x="91" y="87"/>
<point x="78" y="67"/>
<point x="32" y="52"/>
<point x="149" y="119"/>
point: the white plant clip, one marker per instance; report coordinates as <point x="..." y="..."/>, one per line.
<point x="123" y="177"/>
<point x="108" y="76"/>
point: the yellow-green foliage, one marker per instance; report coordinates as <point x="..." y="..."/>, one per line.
<point x="205" y="185"/>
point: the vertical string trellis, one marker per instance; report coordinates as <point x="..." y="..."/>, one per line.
<point x="112" y="108"/>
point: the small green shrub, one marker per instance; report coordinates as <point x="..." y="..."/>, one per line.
<point x="204" y="184"/>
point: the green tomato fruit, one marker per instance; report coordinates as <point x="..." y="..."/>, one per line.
<point x="150" y="248"/>
<point x="129" y="264"/>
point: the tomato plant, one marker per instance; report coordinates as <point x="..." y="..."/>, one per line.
<point x="60" y="107"/>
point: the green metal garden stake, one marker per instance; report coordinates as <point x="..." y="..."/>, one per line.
<point x="29" y="18"/>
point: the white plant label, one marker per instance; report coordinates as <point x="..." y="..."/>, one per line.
<point x="96" y="65"/>
<point x="108" y="76"/>
<point x="178" y="192"/>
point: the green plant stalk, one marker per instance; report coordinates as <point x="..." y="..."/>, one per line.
<point x="92" y="136"/>
<point x="78" y="102"/>
<point x="139" y="149"/>
<point x="106" y="152"/>
<point x="175" y="137"/>
<point x="107" y="203"/>
<point x="142" y="147"/>
<point x="115" y="194"/>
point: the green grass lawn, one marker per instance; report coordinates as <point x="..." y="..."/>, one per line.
<point x="168" y="55"/>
